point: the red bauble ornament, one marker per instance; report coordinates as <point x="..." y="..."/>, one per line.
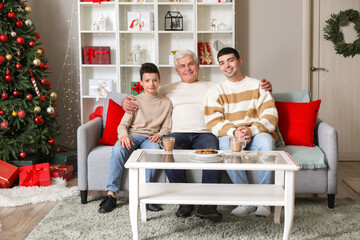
<point x="46" y="67"/>
<point x="37" y="119"/>
<point x="20" y="40"/>
<point x="43" y="81"/>
<point x="37" y="36"/>
<point x="23" y="154"/>
<point x="7" y="71"/>
<point x="42" y="65"/>
<point x="4" y="125"/>
<point x="2" y="112"/>
<point x="18" y="66"/>
<point x="8" y="78"/>
<point x="48" y="83"/>
<point x="3" y="37"/>
<point x="54" y="114"/>
<point x="31" y="43"/>
<point x="1" y="6"/>
<point x="51" y="142"/>
<point x="4" y="96"/>
<point x="2" y="59"/>
<point x="55" y="104"/>
<point x="21" y="114"/>
<point x="18" y="52"/>
<point x="11" y="15"/>
<point x="29" y="96"/>
<point x="42" y="121"/>
<point x="15" y="92"/>
<point x="19" y="23"/>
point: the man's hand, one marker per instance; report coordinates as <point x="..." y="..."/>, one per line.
<point x="266" y="85"/>
<point x="125" y="141"/>
<point x="128" y="105"/>
<point x="244" y="132"/>
<point x="154" y="139"/>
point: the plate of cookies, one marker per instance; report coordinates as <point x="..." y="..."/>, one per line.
<point x="207" y="153"/>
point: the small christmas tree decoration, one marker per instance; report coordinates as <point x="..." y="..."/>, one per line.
<point x="14" y="113"/>
<point x="3" y="38"/>
<point x="21" y="114"/>
<point x="2" y="59"/>
<point x="1" y="6"/>
<point x="53" y="95"/>
<point x="28" y="9"/>
<point x="36" y="62"/>
<point x="20" y="40"/>
<point x="50" y="110"/>
<point x="46" y="67"/>
<point x="43" y="81"/>
<point x="15" y="92"/>
<point x="22" y="154"/>
<point x="13" y="34"/>
<point x="51" y="142"/>
<point x="37" y="109"/>
<point x="31" y="43"/>
<point x="18" y="66"/>
<point x="11" y="15"/>
<point x="2" y="112"/>
<point x="8" y="57"/>
<point x="37" y="119"/>
<point x="39" y="51"/>
<point x="28" y="22"/>
<point x="4" y="96"/>
<point x="4" y="125"/>
<point x="19" y="23"/>
<point x="18" y="52"/>
<point x="37" y="36"/>
<point x="29" y="96"/>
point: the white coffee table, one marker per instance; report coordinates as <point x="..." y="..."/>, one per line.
<point x="279" y="194"/>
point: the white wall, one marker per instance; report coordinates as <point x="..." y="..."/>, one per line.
<point x="268" y="38"/>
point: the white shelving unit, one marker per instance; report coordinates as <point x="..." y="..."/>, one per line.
<point x="156" y="45"/>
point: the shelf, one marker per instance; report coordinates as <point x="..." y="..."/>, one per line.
<point x="199" y="194"/>
<point x="91" y="4"/>
<point x="98" y="65"/>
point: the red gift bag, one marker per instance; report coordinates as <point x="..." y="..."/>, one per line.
<point x="8" y="174"/>
<point x="204" y="53"/>
<point x="35" y="175"/>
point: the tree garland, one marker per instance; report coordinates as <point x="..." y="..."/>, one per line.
<point x="333" y="33"/>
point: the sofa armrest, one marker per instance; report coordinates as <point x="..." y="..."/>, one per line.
<point x="88" y="135"/>
<point x="328" y="142"/>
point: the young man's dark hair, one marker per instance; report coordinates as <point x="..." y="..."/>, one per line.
<point x="228" y="50"/>
<point x="148" y="68"/>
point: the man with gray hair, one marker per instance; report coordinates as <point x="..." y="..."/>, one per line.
<point x="188" y="125"/>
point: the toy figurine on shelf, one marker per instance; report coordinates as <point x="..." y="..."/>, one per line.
<point x="213" y="24"/>
<point x="101" y="22"/>
<point x="129" y="59"/>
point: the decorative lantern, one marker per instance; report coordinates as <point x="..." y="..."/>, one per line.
<point x="101" y="22"/>
<point x="173" y="21"/>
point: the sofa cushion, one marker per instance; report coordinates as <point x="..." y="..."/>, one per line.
<point x="297" y="122"/>
<point x="114" y="115"/>
<point x="306" y="157"/>
<point x="116" y="97"/>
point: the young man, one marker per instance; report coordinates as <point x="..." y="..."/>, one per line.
<point x="188" y="126"/>
<point x="142" y="128"/>
<point x="239" y="107"/>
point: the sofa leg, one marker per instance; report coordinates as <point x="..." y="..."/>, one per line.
<point x="83" y="195"/>
<point x="331" y="200"/>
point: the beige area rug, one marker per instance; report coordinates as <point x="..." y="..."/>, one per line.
<point x="354" y="184"/>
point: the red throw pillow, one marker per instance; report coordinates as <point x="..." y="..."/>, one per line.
<point x="297" y="122"/>
<point x="113" y="118"/>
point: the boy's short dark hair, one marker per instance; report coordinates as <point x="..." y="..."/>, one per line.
<point x="228" y="50"/>
<point x="148" y="68"/>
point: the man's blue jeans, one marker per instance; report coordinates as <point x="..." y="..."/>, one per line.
<point x="194" y="141"/>
<point x="119" y="155"/>
<point x="260" y="142"/>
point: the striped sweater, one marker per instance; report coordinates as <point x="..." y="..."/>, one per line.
<point x="229" y="105"/>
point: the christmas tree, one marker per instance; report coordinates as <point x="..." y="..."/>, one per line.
<point x="27" y="116"/>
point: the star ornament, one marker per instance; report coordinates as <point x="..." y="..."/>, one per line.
<point x="42" y="97"/>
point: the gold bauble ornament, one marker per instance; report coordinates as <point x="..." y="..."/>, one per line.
<point x="36" y="62"/>
<point x="37" y="109"/>
<point x="28" y="9"/>
<point x="14" y="113"/>
<point x="53" y="95"/>
<point x="39" y="52"/>
<point x="8" y="57"/>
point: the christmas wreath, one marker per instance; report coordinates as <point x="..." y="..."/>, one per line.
<point x="334" y="34"/>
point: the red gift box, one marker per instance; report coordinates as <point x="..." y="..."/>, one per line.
<point x="64" y="171"/>
<point x="204" y="53"/>
<point x="35" y="175"/>
<point x="8" y="174"/>
<point x="96" y="1"/>
<point x="96" y="55"/>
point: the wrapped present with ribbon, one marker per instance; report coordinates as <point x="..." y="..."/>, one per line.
<point x="140" y="21"/>
<point x="99" y="88"/>
<point x="65" y="156"/>
<point x="8" y="174"/>
<point x="61" y="171"/>
<point x="96" y="55"/>
<point x="35" y="175"/>
<point x="204" y="53"/>
<point x="136" y="88"/>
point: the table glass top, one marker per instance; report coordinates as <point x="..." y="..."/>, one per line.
<point x="188" y="156"/>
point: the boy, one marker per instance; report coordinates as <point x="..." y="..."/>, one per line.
<point x="142" y="128"/>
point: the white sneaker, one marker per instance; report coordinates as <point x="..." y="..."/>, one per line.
<point x="243" y="210"/>
<point x="263" y="211"/>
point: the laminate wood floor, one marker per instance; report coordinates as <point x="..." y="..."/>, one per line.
<point x="18" y="222"/>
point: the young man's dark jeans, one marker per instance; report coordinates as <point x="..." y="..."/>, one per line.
<point x="194" y="141"/>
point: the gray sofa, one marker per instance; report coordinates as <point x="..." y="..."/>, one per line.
<point x="93" y="159"/>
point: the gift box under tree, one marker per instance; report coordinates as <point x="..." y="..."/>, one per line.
<point x="65" y="156"/>
<point x="61" y="171"/>
<point x="30" y="159"/>
<point x="96" y="55"/>
<point x="35" y="175"/>
<point x="8" y="174"/>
